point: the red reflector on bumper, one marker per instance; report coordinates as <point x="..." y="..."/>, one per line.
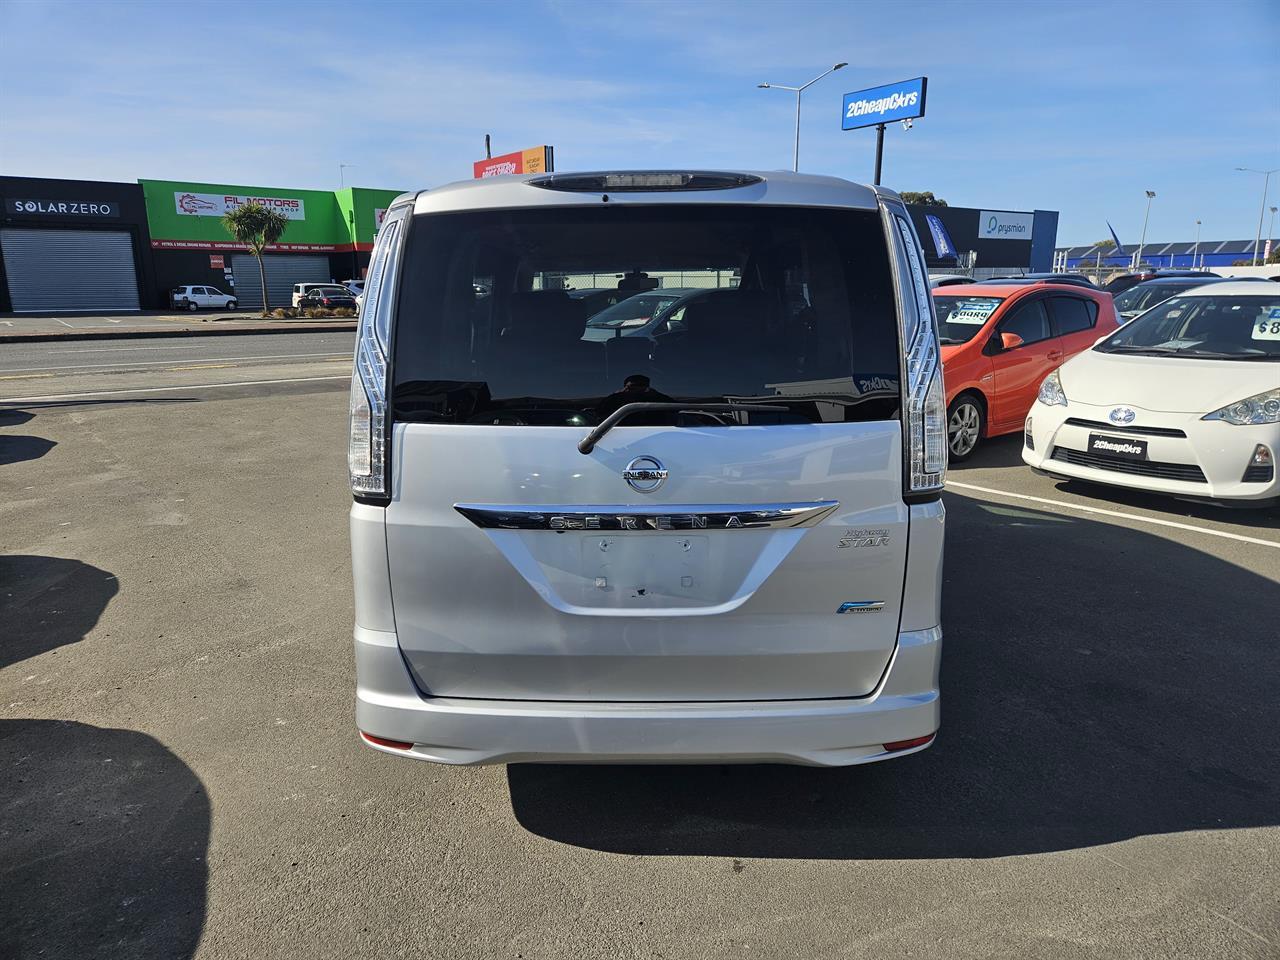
<point x="908" y="744"/>
<point x="384" y="742"/>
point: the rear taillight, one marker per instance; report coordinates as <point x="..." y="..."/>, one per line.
<point x="924" y="395"/>
<point x="367" y="437"/>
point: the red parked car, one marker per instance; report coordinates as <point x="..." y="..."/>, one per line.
<point x="1000" y="341"/>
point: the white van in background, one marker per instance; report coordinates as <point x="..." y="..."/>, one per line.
<point x="722" y="542"/>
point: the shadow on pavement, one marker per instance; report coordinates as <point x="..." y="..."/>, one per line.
<point x="16" y="449"/>
<point x="1099" y="683"/>
<point x="48" y="602"/>
<point x="103" y="842"/>
<point x="1002" y="451"/>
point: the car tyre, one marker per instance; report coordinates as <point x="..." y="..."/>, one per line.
<point x="192" y="306"/>
<point x="966" y="422"/>
<point x="232" y="305"/>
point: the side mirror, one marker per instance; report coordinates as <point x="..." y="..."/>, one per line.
<point x="1010" y="341"/>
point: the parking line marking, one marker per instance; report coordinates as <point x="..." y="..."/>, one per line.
<point x="176" y="388"/>
<point x="1116" y="513"/>
<point x="27" y="376"/>
<point x="202" y="366"/>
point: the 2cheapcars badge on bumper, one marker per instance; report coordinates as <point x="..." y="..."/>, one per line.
<point x="1119" y="448"/>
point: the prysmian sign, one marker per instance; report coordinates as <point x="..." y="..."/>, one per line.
<point x="217" y="204"/>
<point x="894" y="101"/>
<point x="61" y="208"/>
<point x="1001" y="225"/>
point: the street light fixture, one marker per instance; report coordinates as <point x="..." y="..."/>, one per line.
<point x="1151" y="195"/>
<point x="1262" y="211"/>
<point x="342" y="174"/>
<point x="795" y="165"/>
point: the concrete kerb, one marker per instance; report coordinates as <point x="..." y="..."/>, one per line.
<point x="204" y="330"/>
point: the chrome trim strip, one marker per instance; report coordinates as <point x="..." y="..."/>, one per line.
<point x="638" y="518"/>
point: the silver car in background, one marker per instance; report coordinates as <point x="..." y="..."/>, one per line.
<point x="719" y="544"/>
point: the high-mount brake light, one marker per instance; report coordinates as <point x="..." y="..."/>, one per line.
<point x="925" y="413"/>
<point x="644" y="181"/>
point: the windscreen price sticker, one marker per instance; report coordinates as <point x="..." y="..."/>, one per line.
<point x="1268" y="327"/>
<point x="974" y="314"/>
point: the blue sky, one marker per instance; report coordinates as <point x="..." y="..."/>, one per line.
<point x="1077" y="107"/>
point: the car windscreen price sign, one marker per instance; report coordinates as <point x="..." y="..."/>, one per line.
<point x="894" y="101"/>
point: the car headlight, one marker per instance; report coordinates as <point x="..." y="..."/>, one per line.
<point x="1051" y="394"/>
<point x="1260" y="408"/>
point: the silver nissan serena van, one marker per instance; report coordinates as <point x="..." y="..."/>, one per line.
<point x="713" y="539"/>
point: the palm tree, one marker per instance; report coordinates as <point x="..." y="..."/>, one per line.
<point x="257" y="228"/>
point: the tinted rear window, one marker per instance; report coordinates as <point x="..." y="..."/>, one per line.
<point x="794" y="306"/>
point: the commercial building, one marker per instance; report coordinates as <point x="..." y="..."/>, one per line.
<point x="1184" y="254"/>
<point x="986" y="242"/>
<point x="73" y="245"/>
<point x="329" y="237"/>
<point x="82" y="245"/>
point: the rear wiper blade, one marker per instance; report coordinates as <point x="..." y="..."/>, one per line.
<point x="588" y="443"/>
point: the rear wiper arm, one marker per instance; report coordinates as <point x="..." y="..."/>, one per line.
<point x="588" y="443"/>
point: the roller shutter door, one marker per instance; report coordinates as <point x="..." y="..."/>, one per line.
<point x="283" y="271"/>
<point x="69" y="271"/>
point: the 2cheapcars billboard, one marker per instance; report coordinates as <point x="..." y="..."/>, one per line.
<point x="893" y="101"/>
<point x="188" y="216"/>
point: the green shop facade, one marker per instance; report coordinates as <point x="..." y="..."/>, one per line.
<point x="69" y="246"/>
<point x="329" y="237"/>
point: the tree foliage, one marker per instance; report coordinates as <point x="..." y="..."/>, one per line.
<point x="922" y="198"/>
<point x="257" y="228"/>
<point x="1105" y="245"/>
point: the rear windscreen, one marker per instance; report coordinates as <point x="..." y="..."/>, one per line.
<point x="787" y="306"/>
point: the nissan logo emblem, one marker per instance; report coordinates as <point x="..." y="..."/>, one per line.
<point x="645" y="474"/>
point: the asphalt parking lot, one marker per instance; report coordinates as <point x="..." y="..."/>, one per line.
<point x="180" y="774"/>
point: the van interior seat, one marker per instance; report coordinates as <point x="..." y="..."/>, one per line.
<point x="728" y="333"/>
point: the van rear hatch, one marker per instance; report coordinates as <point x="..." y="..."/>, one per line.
<point x="744" y="540"/>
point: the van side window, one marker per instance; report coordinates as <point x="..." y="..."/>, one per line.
<point x="1030" y="321"/>
<point x="1072" y="314"/>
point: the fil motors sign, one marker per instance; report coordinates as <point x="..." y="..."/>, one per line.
<point x="218" y="204"/>
<point x="893" y="101"/>
<point x="91" y="209"/>
<point x="1001" y="225"/>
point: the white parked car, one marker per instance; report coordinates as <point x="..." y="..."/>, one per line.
<point x="1184" y="400"/>
<point x="722" y="544"/>
<point x="201" y="298"/>
<point x="300" y="290"/>
<point x="355" y="286"/>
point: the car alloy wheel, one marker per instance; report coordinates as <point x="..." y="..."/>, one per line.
<point x="964" y="428"/>
<point x="231" y="305"/>
<point x="192" y="306"/>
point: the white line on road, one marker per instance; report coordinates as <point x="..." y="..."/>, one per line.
<point x="176" y="388"/>
<point x="196" y="359"/>
<point x="64" y="323"/>
<point x="171" y="346"/>
<point x="1116" y="513"/>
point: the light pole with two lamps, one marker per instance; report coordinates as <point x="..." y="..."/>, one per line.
<point x="797" y="91"/>
<point x="1262" y="211"/>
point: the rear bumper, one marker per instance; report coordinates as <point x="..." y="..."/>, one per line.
<point x="904" y="706"/>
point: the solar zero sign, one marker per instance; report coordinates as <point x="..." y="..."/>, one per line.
<point x="894" y="101"/>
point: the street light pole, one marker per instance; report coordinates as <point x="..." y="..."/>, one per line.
<point x="1196" y="252"/>
<point x="1271" y="231"/>
<point x="1262" y="211"/>
<point x="795" y="162"/>
<point x="1143" y="242"/>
